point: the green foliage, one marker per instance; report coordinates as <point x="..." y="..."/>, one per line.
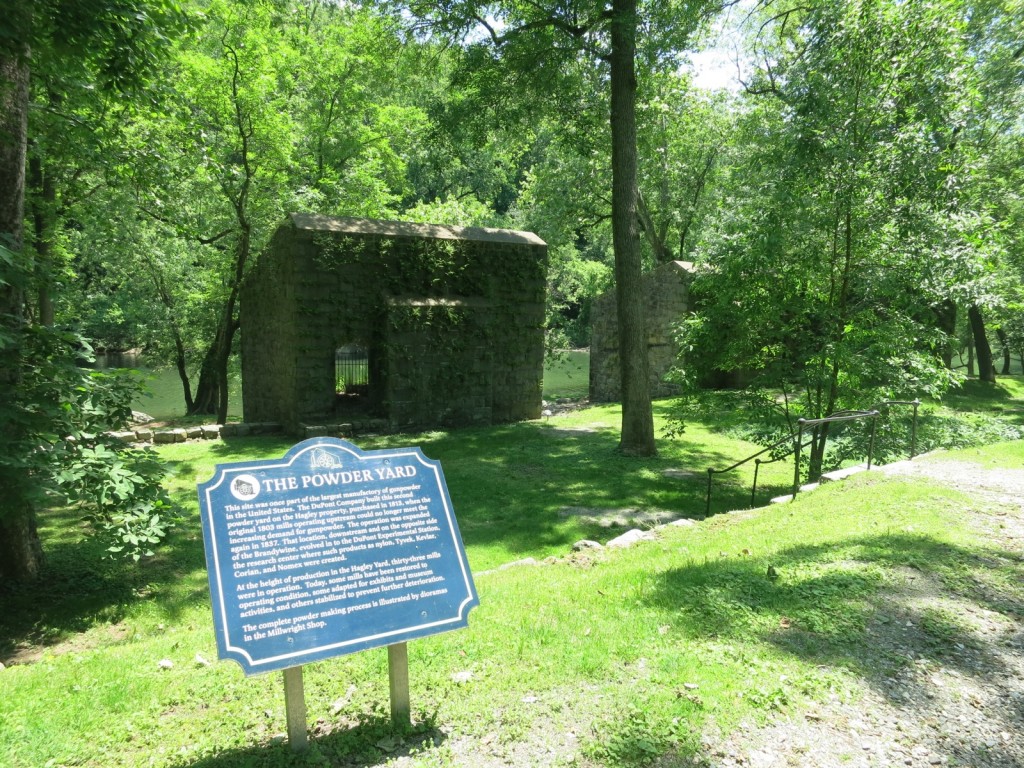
<point x="845" y="226"/>
<point x="454" y="211"/>
<point x="122" y="41"/>
<point x="639" y="735"/>
<point x="574" y="282"/>
<point x="686" y="142"/>
<point x="970" y="415"/>
<point x="120" y="493"/>
<point x="61" y="415"/>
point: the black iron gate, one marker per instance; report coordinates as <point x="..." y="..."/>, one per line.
<point x="351" y="369"/>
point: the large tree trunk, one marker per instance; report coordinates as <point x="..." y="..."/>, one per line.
<point x="637" y="437"/>
<point x="983" y="350"/>
<point x="20" y="552"/>
<point x="211" y="395"/>
<point x="207" y="395"/>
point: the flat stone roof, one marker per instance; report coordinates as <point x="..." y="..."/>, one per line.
<point x="315" y="222"/>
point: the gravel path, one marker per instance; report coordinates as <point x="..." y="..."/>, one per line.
<point x="961" y="705"/>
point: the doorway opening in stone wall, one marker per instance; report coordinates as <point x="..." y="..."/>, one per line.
<point x="352" y="380"/>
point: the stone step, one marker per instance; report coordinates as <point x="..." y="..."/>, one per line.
<point x="842" y="474"/>
<point x="789" y="496"/>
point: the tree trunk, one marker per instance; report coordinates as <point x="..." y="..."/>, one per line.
<point x="14" y="77"/>
<point x="20" y="551"/>
<point x="986" y="370"/>
<point x="230" y="321"/>
<point x="207" y="395"/>
<point x="1005" y="343"/>
<point x="180" y="365"/>
<point x="662" y="254"/>
<point x="637" y="438"/>
<point x="945" y="314"/>
<point x="44" y="206"/>
<point x="180" y="358"/>
<point x="816" y="460"/>
<point x="211" y="395"/>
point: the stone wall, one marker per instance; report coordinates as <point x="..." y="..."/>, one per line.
<point x="666" y="300"/>
<point x="452" y="319"/>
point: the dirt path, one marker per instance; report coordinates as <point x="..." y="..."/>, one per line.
<point x="956" y="704"/>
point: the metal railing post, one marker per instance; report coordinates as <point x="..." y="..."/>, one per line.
<point x="796" y="451"/>
<point x="707" y="498"/>
<point x="913" y="430"/>
<point x="871" y="440"/>
<point x="817" y="434"/>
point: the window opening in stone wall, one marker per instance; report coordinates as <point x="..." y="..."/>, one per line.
<point x="351" y="370"/>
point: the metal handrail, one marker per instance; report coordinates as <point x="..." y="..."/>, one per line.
<point x="815" y="423"/>
<point x="757" y="465"/>
<point x="799" y="445"/>
<point x="757" y="470"/>
<point x="913" y="424"/>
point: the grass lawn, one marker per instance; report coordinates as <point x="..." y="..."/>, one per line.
<point x="601" y="658"/>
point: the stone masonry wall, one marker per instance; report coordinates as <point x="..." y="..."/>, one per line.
<point x="666" y="298"/>
<point x="268" y="314"/>
<point x="453" y="319"/>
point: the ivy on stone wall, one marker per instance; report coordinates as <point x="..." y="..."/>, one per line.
<point x="456" y="325"/>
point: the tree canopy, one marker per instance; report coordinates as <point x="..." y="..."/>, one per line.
<point x="853" y="207"/>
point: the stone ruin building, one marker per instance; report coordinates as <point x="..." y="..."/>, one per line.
<point x="666" y="299"/>
<point x="408" y="325"/>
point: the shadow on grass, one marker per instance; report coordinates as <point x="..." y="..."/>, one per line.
<point x="999" y="398"/>
<point x="870" y="605"/>
<point x="510" y="487"/>
<point x="509" y="483"/>
<point x="373" y="740"/>
<point x="829" y="602"/>
<point x="81" y="587"/>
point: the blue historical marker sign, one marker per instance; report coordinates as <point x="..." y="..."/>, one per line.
<point x="331" y="550"/>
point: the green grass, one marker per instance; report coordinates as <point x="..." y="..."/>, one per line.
<point x="1004" y="398"/>
<point x="633" y="653"/>
<point x="516" y="487"/>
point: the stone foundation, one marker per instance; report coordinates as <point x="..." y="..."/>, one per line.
<point x="666" y="300"/>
